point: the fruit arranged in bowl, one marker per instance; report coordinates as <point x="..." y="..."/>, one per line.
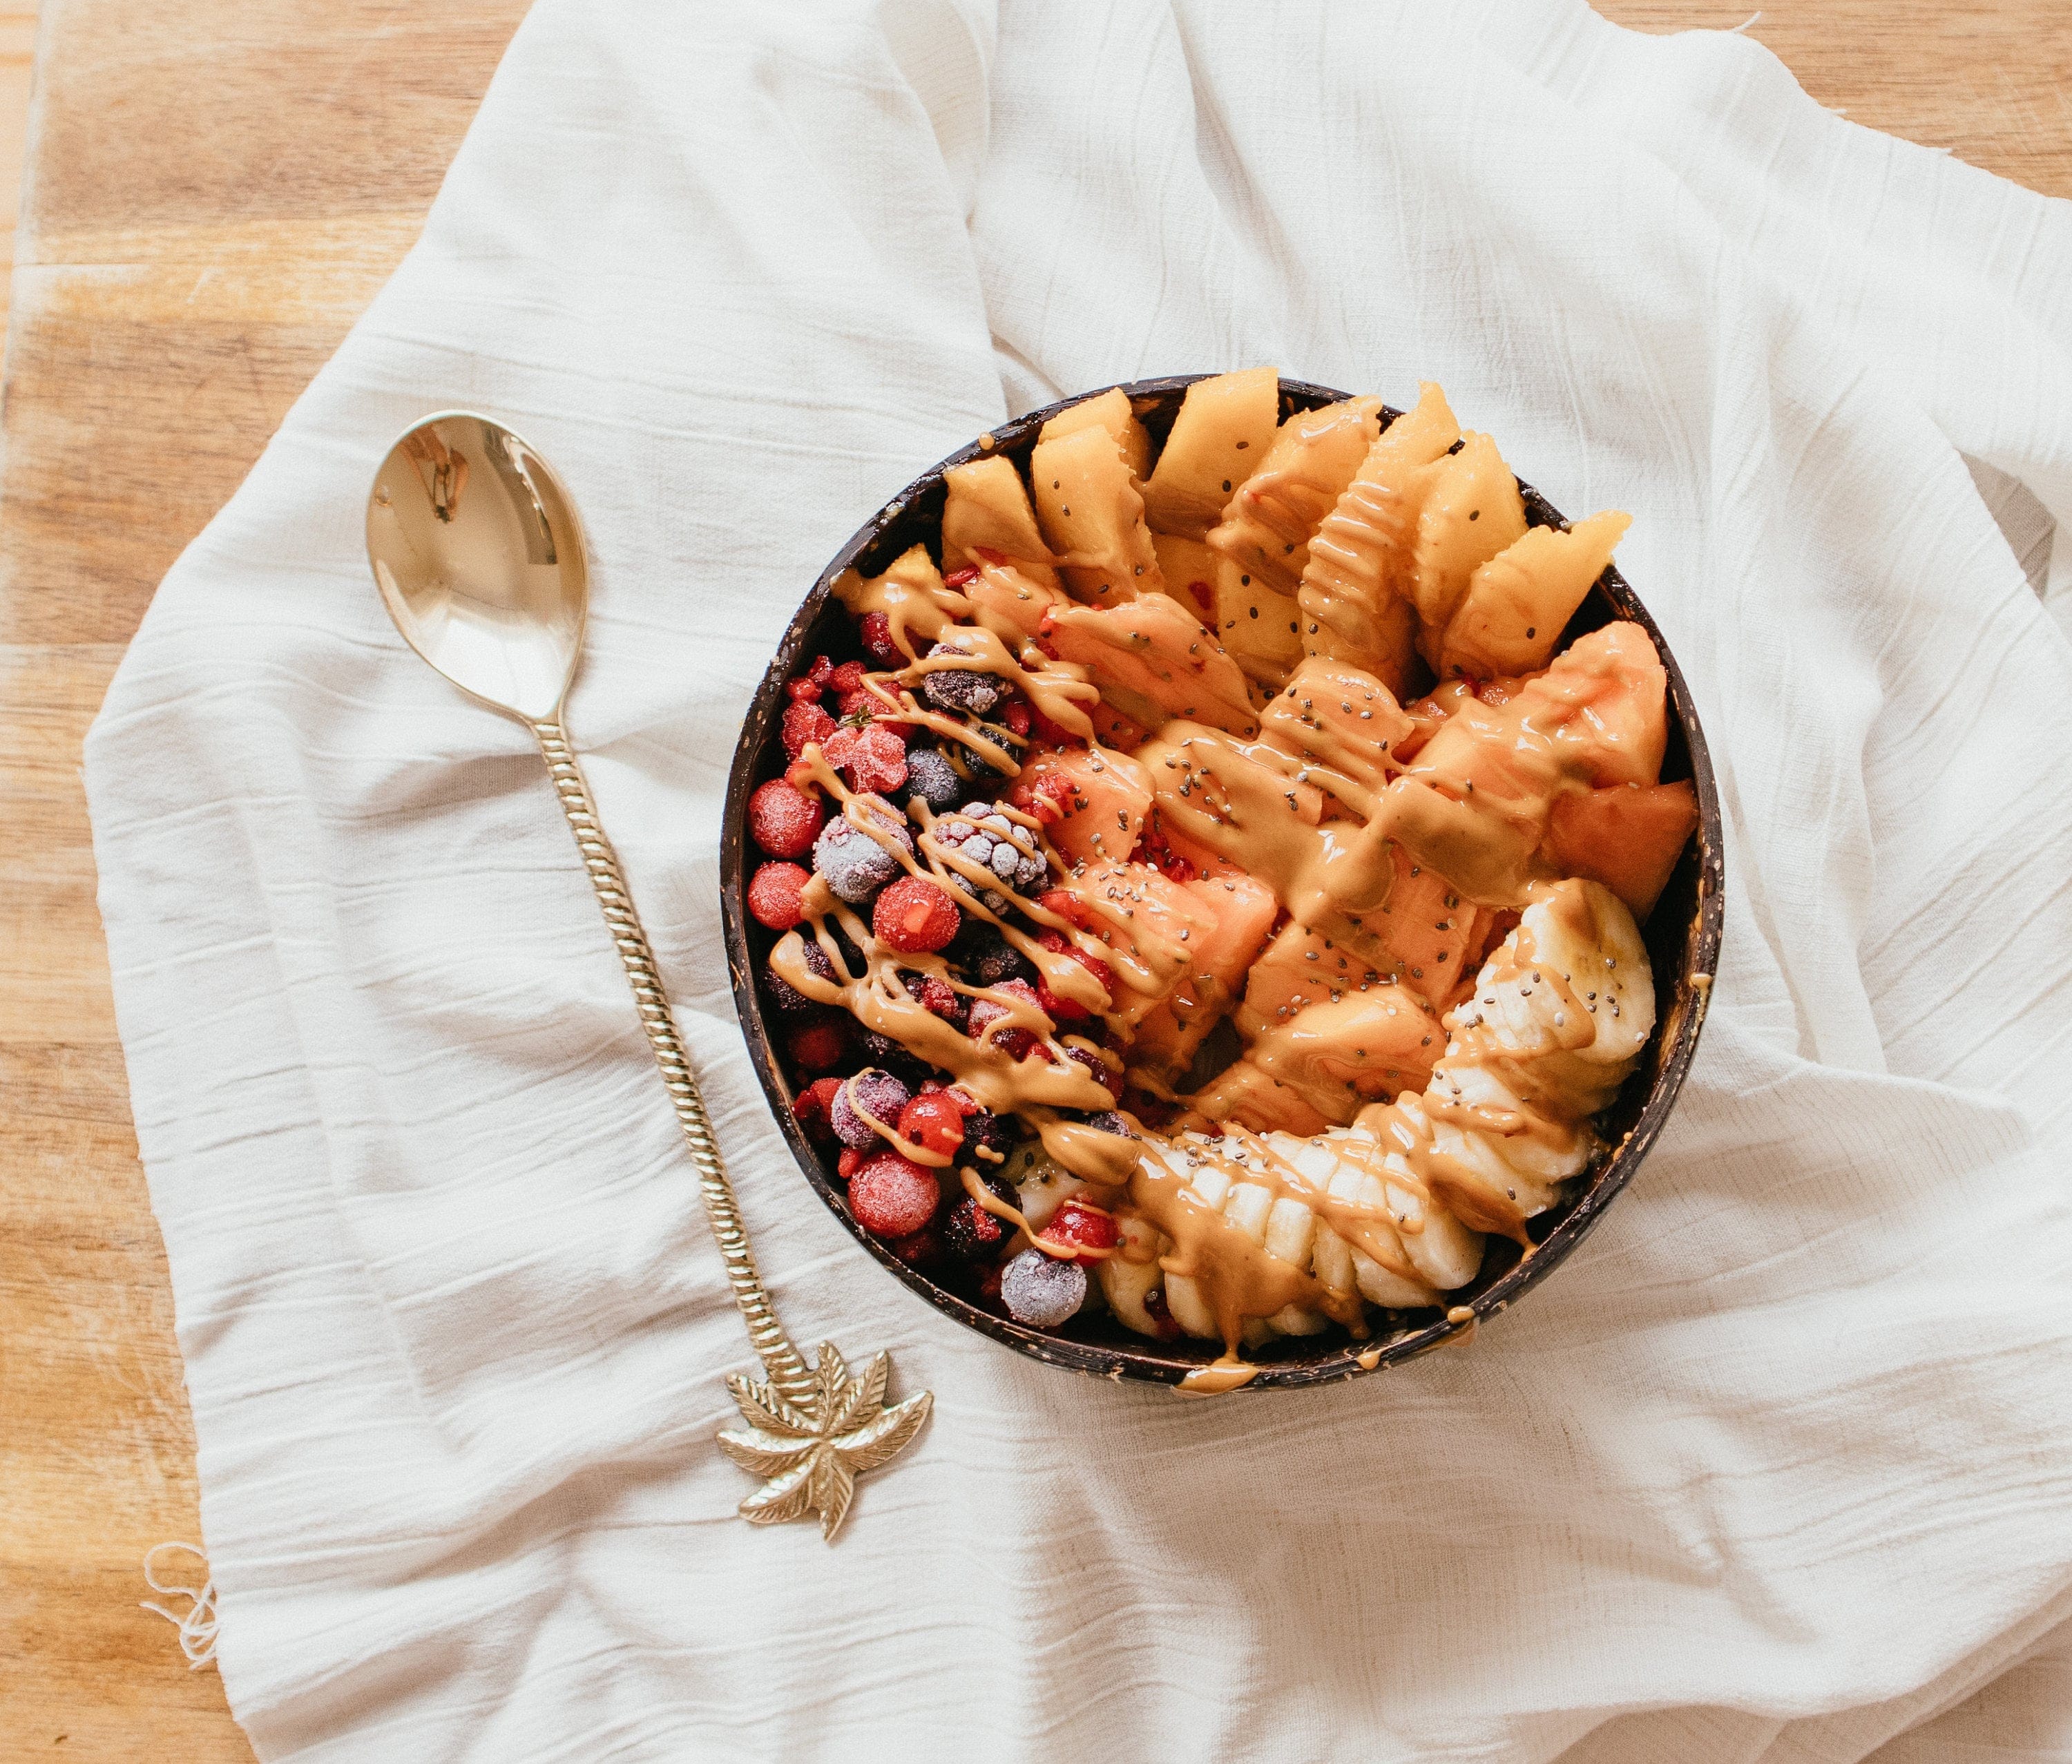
<point x="1198" y="846"/>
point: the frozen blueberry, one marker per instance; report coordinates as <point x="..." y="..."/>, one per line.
<point x="987" y="958"/>
<point x="959" y="689"/>
<point x="870" y="1092"/>
<point x="1041" y="1290"/>
<point x="856" y="864"/>
<point x="932" y="779"/>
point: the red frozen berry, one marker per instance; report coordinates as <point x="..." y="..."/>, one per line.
<point x="783" y="819"/>
<point x="1110" y="1077"/>
<point x="773" y="892"/>
<point x="938" y="998"/>
<point x="846" y="678"/>
<point x="922" y="1250"/>
<point x="804" y="689"/>
<point x="872" y="757"/>
<point x="1014" y="713"/>
<point x="876" y="631"/>
<point x="915" y="916"/>
<point x="934" y="1122"/>
<point x="805" y="721"/>
<point x="811" y="1106"/>
<point x="858" y="706"/>
<point x="984" y="1012"/>
<point x="1066" y="1010"/>
<point x="848" y="1163"/>
<point x="819" y="1047"/>
<point x="1082" y="1225"/>
<point x="892" y="1197"/>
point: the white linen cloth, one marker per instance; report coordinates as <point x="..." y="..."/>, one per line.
<point x="1777" y="1466"/>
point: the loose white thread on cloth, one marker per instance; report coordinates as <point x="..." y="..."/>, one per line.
<point x="1777" y="1466"/>
<point x="197" y="1625"/>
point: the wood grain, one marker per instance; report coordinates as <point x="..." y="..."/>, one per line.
<point x="214" y="191"/>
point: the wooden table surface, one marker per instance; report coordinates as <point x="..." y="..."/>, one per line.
<point x="213" y="193"/>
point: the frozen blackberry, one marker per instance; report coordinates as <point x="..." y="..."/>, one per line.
<point x="883" y="1050"/>
<point x="959" y="689"/>
<point x="987" y="958"/>
<point x="982" y="833"/>
<point x="1110" y="1120"/>
<point x="933" y="780"/>
<point x="1041" y="1291"/>
<point x="970" y="1232"/>
<point x="788" y="998"/>
<point x="995" y="1133"/>
<point x="856" y="864"/>
<point x="871" y="1092"/>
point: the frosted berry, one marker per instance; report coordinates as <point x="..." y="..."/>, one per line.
<point x="782" y="819"/>
<point x="933" y="780"/>
<point x="872" y="758"/>
<point x="773" y="896"/>
<point x="1109" y="1078"/>
<point x="921" y="1250"/>
<point x="810" y="1107"/>
<point x="876" y="631"/>
<point x="855" y="864"/>
<point x="819" y="1047"/>
<point x="848" y="1162"/>
<point x="983" y="835"/>
<point x="938" y="998"/>
<point x="959" y="689"/>
<point x="987" y="958"/>
<point x="787" y="997"/>
<point x="804" y="721"/>
<point x="915" y="917"/>
<point x="1083" y="1225"/>
<point x="1016" y="1041"/>
<point x="994" y="1133"/>
<point x="934" y="1122"/>
<point x="970" y="1232"/>
<point x="846" y="678"/>
<point x="892" y="1197"/>
<point x="1041" y="1291"/>
<point x="1108" y="1121"/>
<point x="871" y="1092"/>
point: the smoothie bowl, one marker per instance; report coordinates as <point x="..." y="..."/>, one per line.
<point x="1222" y="882"/>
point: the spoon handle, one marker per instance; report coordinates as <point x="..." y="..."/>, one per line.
<point x="788" y="1372"/>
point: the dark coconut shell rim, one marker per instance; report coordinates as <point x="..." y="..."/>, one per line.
<point x="1682" y="933"/>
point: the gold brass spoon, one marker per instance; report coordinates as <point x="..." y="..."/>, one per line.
<point x="479" y="559"/>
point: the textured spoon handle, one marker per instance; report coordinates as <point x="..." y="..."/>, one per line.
<point x="788" y="1372"/>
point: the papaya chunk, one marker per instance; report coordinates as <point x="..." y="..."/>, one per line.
<point x="1091" y="514"/>
<point x="1153" y="659"/>
<point x="1519" y="603"/>
<point x="987" y="510"/>
<point x="1100" y="798"/>
<point x="1628" y="836"/>
<point x="1221" y="436"/>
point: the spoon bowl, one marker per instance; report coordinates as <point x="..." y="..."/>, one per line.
<point x="479" y="559"/>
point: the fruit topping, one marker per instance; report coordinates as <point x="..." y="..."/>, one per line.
<point x="915" y="917"/>
<point x="819" y="1046"/>
<point x="986" y="1011"/>
<point x="875" y="629"/>
<point x="854" y="863"/>
<point x="872" y="1099"/>
<point x="893" y="1197"/>
<point x="934" y="1122"/>
<point x="773" y="896"/>
<point x="971" y="1232"/>
<point x="1081" y="1225"/>
<point x="1069" y="1010"/>
<point x="938" y="998"/>
<point x="1041" y="1290"/>
<point x="959" y="689"/>
<point x="805" y="721"/>
<point x="1109" y="1120"/>
<point x="811" y="1106"/>
<point x="782" y="819"/>
<point x="872" y="758"/>
<point x="983" y="834"/>
<point x="933" y="780"/>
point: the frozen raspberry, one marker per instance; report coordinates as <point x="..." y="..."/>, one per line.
<point x="773" y="896"/>
<point x="872" y="1092"/>
<point x="782" y="818"/>
<point x="1109" y="1121"/>
<point x="1082" y="1225"/>
<point x="1041" y="1291"/>
<point x="983" y="834"/>
<point x="1014" y="713"/>
<point x="846" y="678"/>
<point x="933" y="779"/>
<point x="804" y="721"/>
<point x="915" y="917"/>
<point x="970" y="1232"/>
<point x="987" y="958"/>
<point x="892" y="1197"/>
<point x="876" y="631"/>
<point x="872" y="758"/>
<point x="819" y="1046"/>
<point x="848" y="1162"/>
<point x="810" y="1106"/>
<point x="787" y="997"/>
<point x="1066" y="1010"/>
<point x="938" y="998"/>
<point x="1109" y="1077"/>
<point x="1015" y="1042"/>
<point x="855" y="864"/>
<point x="934" y="1122"/>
